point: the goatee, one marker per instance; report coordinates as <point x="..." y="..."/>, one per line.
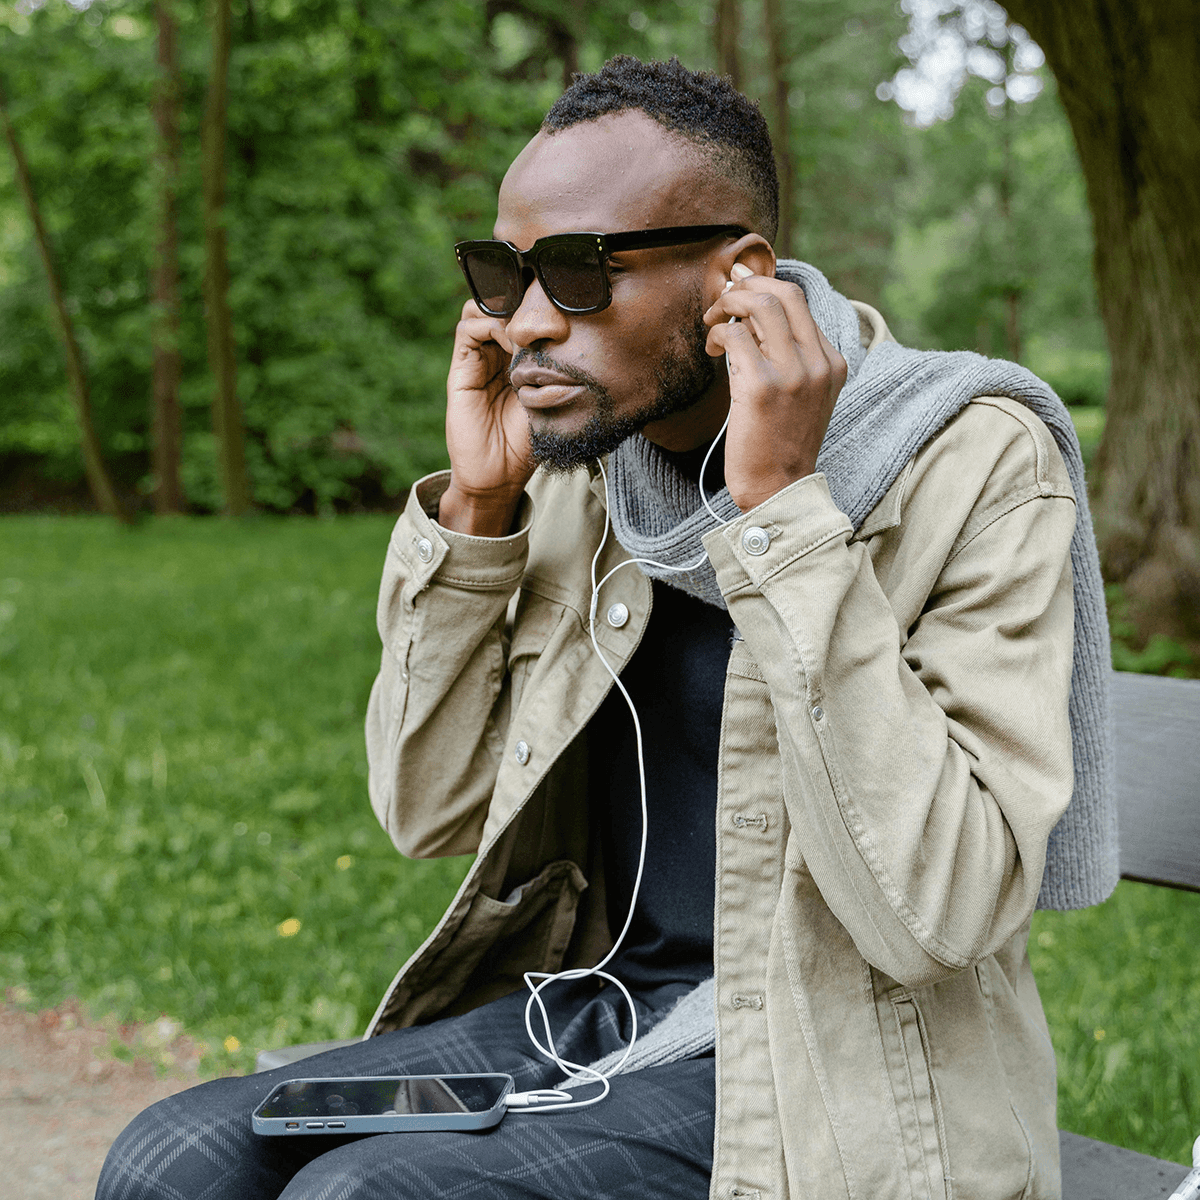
<point x="682" y="376"/>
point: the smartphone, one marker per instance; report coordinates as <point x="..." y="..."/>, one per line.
<point x="383" y="1104"/>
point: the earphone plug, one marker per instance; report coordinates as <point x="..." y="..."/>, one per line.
<point x="731" y="319"/>
<point x="532" y="1099"/>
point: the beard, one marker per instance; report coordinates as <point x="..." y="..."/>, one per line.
<point x="682" y="375"/>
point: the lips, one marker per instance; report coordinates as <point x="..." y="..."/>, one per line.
<point x="531" y="375"/>
<point x="540" y="387"/>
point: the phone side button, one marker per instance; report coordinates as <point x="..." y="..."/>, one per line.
<point x="337" y="1125"/>
<point x="314" y="1125"/>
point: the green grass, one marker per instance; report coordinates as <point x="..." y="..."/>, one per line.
<point x="182" y="778"/>
<point x="1121" y="987"/>
<point x="182" y="775"/>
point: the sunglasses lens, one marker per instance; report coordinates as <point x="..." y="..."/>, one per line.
<point x="573" y="274"/>
<point x="496" y="280"/>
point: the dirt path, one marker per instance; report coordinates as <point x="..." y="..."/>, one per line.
<point x="64" y="1097"/>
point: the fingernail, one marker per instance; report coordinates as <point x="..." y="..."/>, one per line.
<point x="740" y="271"/>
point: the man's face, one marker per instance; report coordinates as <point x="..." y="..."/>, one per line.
<point x="589" y="382"/>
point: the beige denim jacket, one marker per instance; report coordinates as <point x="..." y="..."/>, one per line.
<point x="894" y="753"/>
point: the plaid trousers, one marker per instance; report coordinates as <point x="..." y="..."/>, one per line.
<point x="651" y="1138"/>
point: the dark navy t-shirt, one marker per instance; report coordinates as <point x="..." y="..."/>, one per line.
<point x="676" y="678"/>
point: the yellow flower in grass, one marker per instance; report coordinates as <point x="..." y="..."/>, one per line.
<point x="288" y="928"/>
<point x="232" y="1045"/>
<point x="345" y="862"/>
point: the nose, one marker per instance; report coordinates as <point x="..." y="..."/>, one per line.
<point x="537" y="320"/>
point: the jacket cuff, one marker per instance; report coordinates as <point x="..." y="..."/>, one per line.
<point x="431" y="552"/>
<point x="794" y="522"/>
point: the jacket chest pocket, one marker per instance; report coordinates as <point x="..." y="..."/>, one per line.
<point x="922" y="1130"/>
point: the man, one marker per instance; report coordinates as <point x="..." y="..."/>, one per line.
<point x="857" y="715"/>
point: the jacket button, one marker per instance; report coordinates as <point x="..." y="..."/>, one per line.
<point x="618" y="615"/>
<point x="424" y="549"/>
<point x="818" y="713"/>
<point x="756" y="540"/>
<point x="522" y="752"/>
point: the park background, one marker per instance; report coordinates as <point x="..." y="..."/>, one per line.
<point x="227" y="287"/>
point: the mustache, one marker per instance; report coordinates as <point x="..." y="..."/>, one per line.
<point x="539" y="359"/>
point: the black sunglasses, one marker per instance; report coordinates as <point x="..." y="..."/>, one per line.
<point x="571" y="267"/>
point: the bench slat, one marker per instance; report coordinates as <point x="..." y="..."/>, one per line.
<point x="1094" y="1170"/>
<point x="268" y="1060"/>
<point x="1157" y="725"/>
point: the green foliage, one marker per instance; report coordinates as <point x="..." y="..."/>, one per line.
<point x="79" y="100"/>
<point x="1131" y="651"/>
<point x="849" y="149"/>
<point x="1089" y="425"/>
<point x="367" y="135"/>
<point x="964" y="248"/>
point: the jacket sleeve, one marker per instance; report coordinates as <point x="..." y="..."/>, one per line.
<point x="437" y="714"/>
<point x="925" y="741"/>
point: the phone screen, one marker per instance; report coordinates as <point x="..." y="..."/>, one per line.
<point x="411" y="1095"/>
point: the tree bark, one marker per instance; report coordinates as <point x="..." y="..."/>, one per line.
<point x="222" y="360"/>
<point x="1129" y="78"/>
<point x="99" y="481"/>
<point x="166" y="433"/>
<point x="726" y="30"/>
<point x="1012" y="287"/>
<point x="781" y="134"/>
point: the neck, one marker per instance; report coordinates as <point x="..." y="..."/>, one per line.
<point x="695" y="426"/>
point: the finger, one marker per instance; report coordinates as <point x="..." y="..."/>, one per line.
<point x="474" y="332"/>
<point x="791" y="339"/>
<point x="814" y="345"/>
<point x="837" y="361"/>
<point x="736" y="300"/>
<point x="762" y="315"/>
<point x="763" y="304"/>
<point x="747" y="364"/>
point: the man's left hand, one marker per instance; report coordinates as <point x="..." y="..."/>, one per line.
<point x="784" y="376"/>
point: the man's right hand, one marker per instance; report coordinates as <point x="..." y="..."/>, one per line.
<point x="487" y="431"/>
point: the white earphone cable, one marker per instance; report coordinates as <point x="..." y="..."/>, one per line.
<point x="552" y="1099"/>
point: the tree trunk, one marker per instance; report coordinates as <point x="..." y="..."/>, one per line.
<point x="1012" y="286"/>
<point x="781" y="133"/>
<point x="726" y="29"/>
<point x="563" y="45"/>
<point x="222" y="361"/>
<point x="1129" y="78"/>
<point x="99" y="481"/>
<point x="166" y="434"/>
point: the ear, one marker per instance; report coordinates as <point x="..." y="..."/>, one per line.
<point x="752" y="250"/>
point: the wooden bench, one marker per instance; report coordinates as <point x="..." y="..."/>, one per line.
<point x="1158" y="790"/>
<point x="1157" y="725"/>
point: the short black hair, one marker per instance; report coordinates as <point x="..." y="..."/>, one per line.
<point x="701" y="107"/>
